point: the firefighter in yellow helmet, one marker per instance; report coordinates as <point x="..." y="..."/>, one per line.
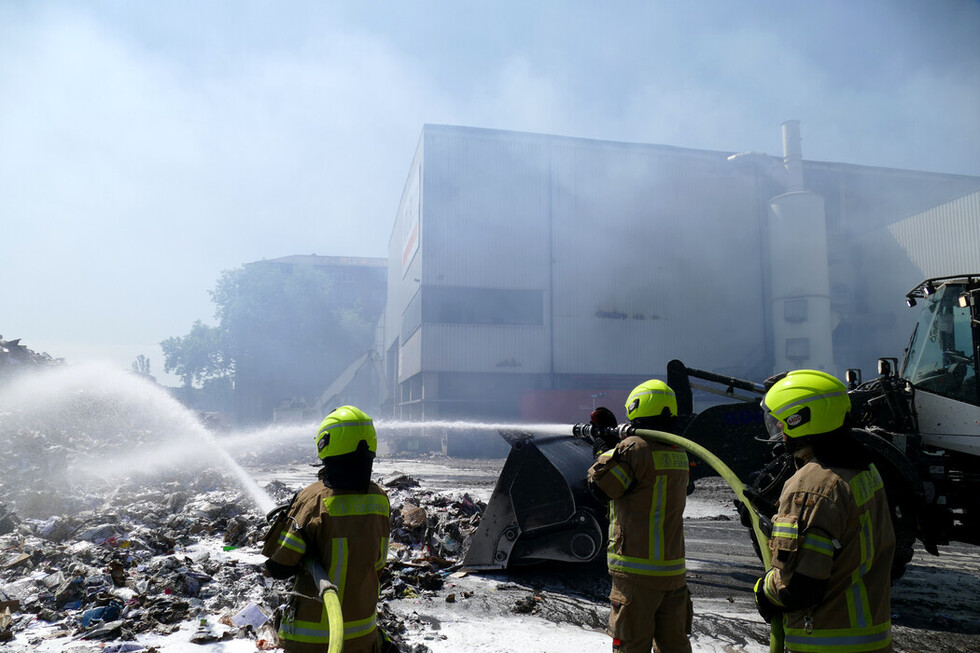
<point x="647" y="485"/>
<point x="832" y="541"/>
<point x="342" y="520"/>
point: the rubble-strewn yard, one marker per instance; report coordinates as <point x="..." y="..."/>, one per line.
<point x="122" y="529"/>
<point x="143" y="560"/>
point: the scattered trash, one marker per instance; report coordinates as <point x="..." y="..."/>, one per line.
<point x="6" y="620"/>
<point x="7" y="603"/>
<point x="15" y="356"/>
<point x="103" y="613"/>
<point x="251" y="615"/>
<point x="527" y="605"/>
<point x="15" y="560"/>
<point x="8" y="520"/>
<point x="400" y="481"/>
<point x="204" y="634"/>
<point x="111" y="560"/>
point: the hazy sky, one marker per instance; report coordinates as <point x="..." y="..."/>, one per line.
<point x="145" y="147"/>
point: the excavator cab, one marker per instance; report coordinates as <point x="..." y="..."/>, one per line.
<point x="942" y="355"/>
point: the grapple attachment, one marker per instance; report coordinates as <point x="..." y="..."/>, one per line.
<point x="541" y="509"/>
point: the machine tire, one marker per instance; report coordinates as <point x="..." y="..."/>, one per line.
<point x="767" y="484"/>
<point x="904" y="550"/>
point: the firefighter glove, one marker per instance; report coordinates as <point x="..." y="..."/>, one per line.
<point x="603" y="418"/>
<point x="604" y="426"/>
<point x="767" y="609"/>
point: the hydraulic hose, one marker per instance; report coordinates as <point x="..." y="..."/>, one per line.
<point x="776" y="635"/>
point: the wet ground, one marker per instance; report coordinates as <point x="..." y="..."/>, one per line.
<point x="936" y="605"/>
<point x="544" y="609"/>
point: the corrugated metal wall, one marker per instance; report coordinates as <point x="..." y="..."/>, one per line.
<point x="870" y="271"/>
<point x="945" y="240"/>
<point x="486" y="207"/>
<point x="654" y="252"/>
<point x="485" y="348"/>
<point x="657" y="256"/>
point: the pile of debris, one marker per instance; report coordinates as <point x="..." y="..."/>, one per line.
<point x="144" y="560"/>
<point x="15" y="356"/>
<point x="430" y="532"/>
<point x="147" y="558"/>
<point x="152" y="550"/>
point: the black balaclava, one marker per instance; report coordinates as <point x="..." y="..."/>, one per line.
<point x="840" y="449"/>
<point x="351" y="471"/>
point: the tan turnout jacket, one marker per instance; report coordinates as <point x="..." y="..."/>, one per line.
<point x="833" y="523"/>
<point x="349" y="534"/>
<point x="647" y="483"/>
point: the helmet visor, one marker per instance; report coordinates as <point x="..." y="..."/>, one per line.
<point x="773" y="427"/>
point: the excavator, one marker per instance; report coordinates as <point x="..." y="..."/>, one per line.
<point x="919" y="419"/>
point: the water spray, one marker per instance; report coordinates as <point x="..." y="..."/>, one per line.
<point x="463" y="425"/>
<point x="105" y="422"/>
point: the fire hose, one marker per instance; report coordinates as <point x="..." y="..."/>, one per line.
<point x="776" y="634"/>
<point x="331" y="604"/>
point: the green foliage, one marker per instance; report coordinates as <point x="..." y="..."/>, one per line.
<point x="142" y="366"/>
<point x="279" y="327"/>
<point x="196" y="357"/>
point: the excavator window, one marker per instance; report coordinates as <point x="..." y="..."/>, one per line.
<point x="942" y="353"/>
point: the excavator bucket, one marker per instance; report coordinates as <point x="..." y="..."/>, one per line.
<point x="541" y="509"/>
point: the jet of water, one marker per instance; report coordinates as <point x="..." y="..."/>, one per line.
<point x="107" y="423"/>
<point x="465" y="425"/>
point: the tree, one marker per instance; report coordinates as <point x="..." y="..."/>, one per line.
<point x="141" y="366"/>
<point x="196" y="357"/>
<point x="280" y="335"/>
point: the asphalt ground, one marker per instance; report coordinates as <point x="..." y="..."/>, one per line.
<point x="935" y="606"/>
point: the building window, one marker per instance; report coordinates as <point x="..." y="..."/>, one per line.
<point x="450" y="305"/>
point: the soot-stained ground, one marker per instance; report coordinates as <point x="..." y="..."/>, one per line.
<point x="936" y="605"/>
<point x="137" y="564"/>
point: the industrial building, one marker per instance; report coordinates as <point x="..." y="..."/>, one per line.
<point x="532" y="277"/>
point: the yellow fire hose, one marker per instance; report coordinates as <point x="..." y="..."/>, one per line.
<point x="776" y="635"/>
<point x="331" y="604"/>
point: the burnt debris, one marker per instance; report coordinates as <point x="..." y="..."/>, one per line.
<point x="146" y="557"/>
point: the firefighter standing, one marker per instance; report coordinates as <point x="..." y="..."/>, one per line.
<point x="342" y="520"/>
<point x="647" y="484"/>
<point x="832" y="541"/>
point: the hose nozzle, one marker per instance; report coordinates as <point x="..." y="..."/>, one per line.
<point x="606" y="436"/>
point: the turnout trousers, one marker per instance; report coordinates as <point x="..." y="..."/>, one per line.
<point x="640" y="616"/>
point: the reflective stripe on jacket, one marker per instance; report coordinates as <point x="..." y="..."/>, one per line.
<point x="349" y="533"/>
<point x="833" y="524"/>
<point x="647" y="483"/>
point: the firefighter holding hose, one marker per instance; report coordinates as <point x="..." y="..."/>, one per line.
<point x="646" y="482"/>
<point x="333" y="537"/>
<point x="832" y="540"/>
